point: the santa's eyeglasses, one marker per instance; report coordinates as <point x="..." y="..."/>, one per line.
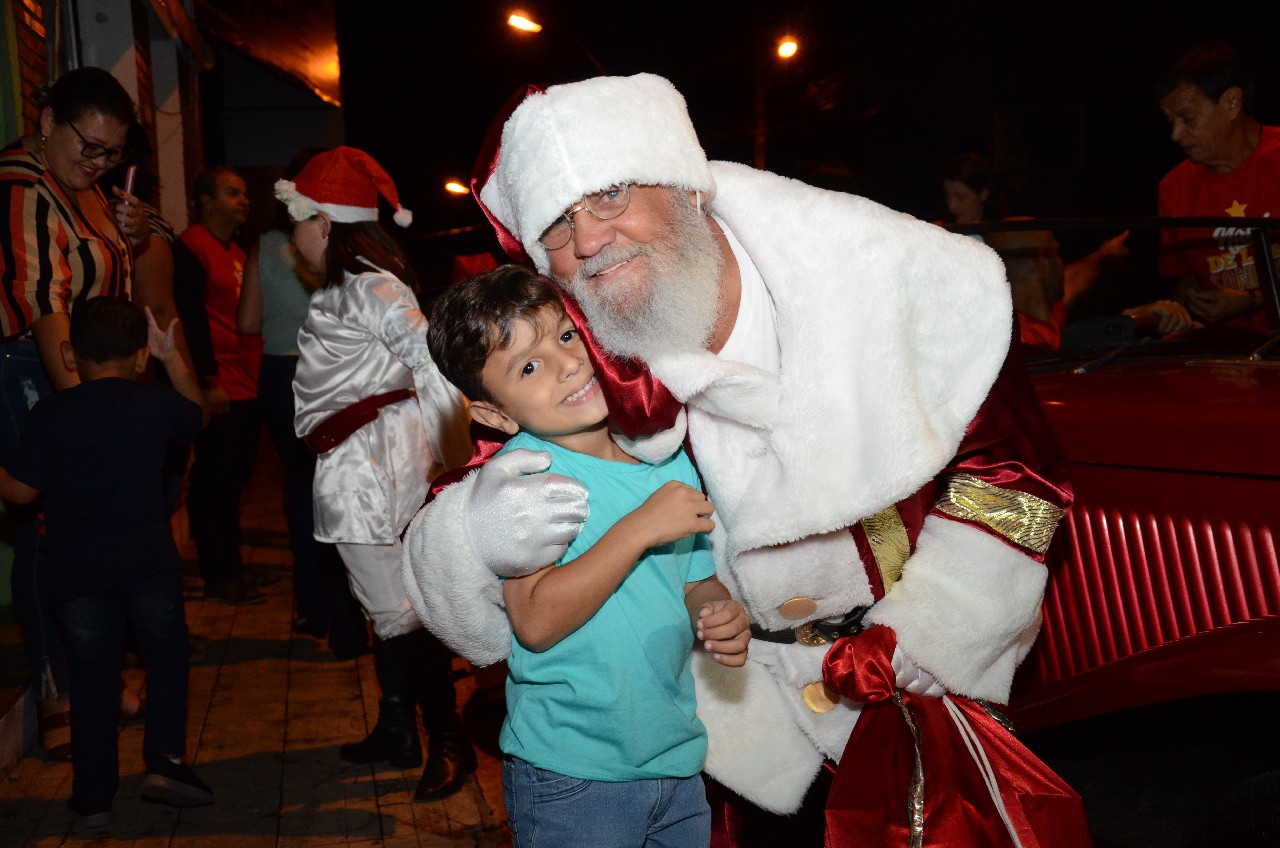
<point x="604" y="205"/>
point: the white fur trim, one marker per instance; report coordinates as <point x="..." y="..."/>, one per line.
<point x="457" y="598"/>
<point x="891" y="333"/>
<point x="585" y="136"/>
<point x="403" y="217"/>
<point x="966" y="609"/>
<point x="653" y="449"/>
<point x="751" y="747"/>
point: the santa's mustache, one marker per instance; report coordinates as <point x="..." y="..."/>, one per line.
<point x="609" y="256"/>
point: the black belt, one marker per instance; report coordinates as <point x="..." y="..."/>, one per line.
<point x="811" y="633"/>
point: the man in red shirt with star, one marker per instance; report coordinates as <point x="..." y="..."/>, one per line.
<point x="1232" y="168"/>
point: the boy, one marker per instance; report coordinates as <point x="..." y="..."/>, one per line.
<point x="602" y="742"/>
<point x="95" y="453"/>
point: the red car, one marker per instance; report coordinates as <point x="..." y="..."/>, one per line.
<point x="1165" y="580"/>
<point x="1154" y="686"/>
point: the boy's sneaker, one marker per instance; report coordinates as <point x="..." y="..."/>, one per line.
<point x="174" y="784"/>
<point x="89" y="814"/>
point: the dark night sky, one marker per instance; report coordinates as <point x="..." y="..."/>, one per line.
<point x="1060" y="97"/>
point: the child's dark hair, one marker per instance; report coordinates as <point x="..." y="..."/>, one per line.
<point x="474" y="318"/>
<point x="106" y="328"/>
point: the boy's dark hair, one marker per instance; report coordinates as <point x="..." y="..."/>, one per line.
<point x="474" y="318"/>
<point x="105" y="328"/>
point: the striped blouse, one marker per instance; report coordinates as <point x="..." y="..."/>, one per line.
<point x="51" y="255"/>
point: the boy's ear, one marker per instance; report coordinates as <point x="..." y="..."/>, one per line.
<point x="68" y="355"/>
<point x="140" y="359"/>
<point x="490" y="416"/>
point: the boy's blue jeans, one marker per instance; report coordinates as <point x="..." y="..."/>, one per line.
<point x="94" y="628"/>
<point x="550" y="810"/>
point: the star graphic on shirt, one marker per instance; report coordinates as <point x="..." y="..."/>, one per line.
<point x="1236" y="209"/>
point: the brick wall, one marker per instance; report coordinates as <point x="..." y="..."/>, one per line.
<point x="30" y="37"/>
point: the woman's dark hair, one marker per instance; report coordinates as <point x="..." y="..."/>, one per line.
<point x="1212" y="67"/>
<point x="106" y="328"/>
<point x="475" y="317"/>
<point x="88" y="89"/>
<point x="354" y="247"/>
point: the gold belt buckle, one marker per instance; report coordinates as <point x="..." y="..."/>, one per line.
<point x="807" y="634"/>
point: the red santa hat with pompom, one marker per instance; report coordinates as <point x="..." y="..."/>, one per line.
<point x="343" y="183"/>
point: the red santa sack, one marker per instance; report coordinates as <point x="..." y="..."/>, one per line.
<point x="932" y="772"/>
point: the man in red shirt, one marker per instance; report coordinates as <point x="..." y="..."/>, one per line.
<point x="1232" y="168"/>
<point x="225" y="451"/>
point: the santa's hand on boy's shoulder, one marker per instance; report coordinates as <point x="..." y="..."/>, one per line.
<point x="161" y="342"/>
<point x="521" y="519"/>
<point x="724" y="629"/>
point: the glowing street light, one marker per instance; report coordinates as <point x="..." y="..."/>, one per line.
<point x="787" y="48"/>
<point x="524" y="23"/>
<point x="455" y="187"/>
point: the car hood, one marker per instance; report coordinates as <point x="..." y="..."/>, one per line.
<point x="1218" y="416"/>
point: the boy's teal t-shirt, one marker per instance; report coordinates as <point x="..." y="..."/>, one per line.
<point x="614" y="700"/>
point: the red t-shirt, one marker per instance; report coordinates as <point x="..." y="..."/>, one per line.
<point x="238" y="358"/>
<point x="1221" y="258"/>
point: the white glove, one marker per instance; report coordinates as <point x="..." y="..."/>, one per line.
<point x="520" y="520"/>
<point x="914" y="679"/>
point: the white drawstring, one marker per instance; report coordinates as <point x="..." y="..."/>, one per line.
<point x="984" y="765"/>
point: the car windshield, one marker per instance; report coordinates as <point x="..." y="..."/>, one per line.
<point x="1090" y="291"/>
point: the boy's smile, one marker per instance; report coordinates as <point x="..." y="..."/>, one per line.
<point x="543" y="382"/>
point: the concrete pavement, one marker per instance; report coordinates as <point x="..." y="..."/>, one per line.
<point x="267" y="712"/>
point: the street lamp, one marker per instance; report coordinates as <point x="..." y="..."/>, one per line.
<point x="786" y="49"/>
<point x="522" y="22"/>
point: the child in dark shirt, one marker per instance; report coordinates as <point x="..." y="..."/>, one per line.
<point x="95" y="452"/>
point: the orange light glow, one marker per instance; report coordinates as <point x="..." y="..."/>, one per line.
<point x="787" y="47"/>
<point x="521" y="21"/>
<point x="455" y="187"/>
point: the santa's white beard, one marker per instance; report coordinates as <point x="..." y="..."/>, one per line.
<point x="673" y="307"/>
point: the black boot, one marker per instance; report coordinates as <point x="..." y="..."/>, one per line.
<point x="394" y="738"/>
<point x="450" y="759"/>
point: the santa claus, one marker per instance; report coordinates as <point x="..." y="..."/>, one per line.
<point x="841" y="373"/>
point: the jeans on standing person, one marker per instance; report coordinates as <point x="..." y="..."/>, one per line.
<point x="94" y="628"/>
<point x="546" y="808"/>
<point x="23" y="382"/>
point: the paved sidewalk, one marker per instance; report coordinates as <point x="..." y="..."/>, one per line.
<point x="267" y="712"/>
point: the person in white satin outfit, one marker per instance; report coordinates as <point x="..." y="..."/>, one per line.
<point x="383" y="422"/>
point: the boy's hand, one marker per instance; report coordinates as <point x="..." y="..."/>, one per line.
<point x="162" y="344"/>
<point x="724" y="629"/>
<point x="673" y="512"/>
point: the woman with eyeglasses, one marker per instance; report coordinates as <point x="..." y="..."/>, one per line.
<point x="61" y="243"/>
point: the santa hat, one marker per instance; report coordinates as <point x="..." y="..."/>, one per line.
<point x="571" y="140"/>
<point x="343" y="183"/>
